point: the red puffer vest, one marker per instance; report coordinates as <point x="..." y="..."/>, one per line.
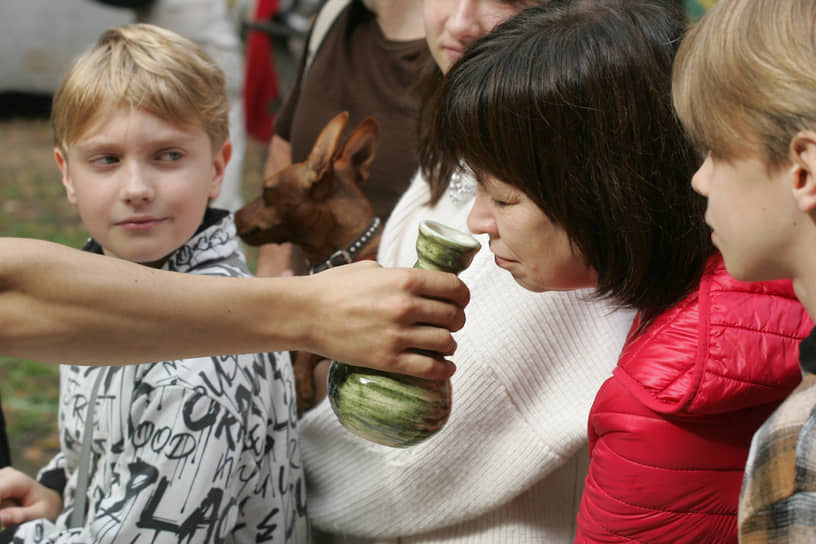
<point x="669" y="432"/>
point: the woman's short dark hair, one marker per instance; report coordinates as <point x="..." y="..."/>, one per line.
<point x="570" y="102"/>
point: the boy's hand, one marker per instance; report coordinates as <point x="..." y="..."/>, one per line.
<point x="24" y="499"/>
<point x="378" y="317"/>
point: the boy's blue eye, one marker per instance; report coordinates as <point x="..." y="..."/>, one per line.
<point x="170" y="155"/>
<point x="106" y="160"/>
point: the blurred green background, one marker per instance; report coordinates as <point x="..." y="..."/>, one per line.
<point x="33" y="205"/>
<point x="696" y="8"/>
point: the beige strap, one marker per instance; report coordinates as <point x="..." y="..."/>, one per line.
<point x="323" y="22"/>
<point x="83" y="476"/>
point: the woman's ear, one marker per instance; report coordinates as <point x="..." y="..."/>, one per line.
<point x="803" y="155"/>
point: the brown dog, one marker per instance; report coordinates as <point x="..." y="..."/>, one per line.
<point x="317" y="204"/>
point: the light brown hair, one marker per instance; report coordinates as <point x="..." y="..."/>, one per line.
<point x="745" y="77"/>
<point x="143" y="67"/>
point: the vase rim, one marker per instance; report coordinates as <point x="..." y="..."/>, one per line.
<point x="451" y="235"/>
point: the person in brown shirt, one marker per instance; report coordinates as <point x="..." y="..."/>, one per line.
<point x="367" y="64"/>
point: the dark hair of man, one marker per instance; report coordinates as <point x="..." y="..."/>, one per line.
<point x="570" y="102"/>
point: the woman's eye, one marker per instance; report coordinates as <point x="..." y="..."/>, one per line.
<point x="504" y="198"/>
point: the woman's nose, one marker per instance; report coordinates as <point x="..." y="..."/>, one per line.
<point x="480" y="219"/>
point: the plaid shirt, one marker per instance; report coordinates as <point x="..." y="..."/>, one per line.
<point x="778" y="498"/>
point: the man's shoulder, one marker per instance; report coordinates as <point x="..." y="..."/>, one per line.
<point x="778" y="497"/>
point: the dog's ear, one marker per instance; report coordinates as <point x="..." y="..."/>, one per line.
<point x="319" y="160"/>
<point x="360" y="148"/>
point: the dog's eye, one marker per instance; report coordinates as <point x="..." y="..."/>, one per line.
<point x="270" y="194"/>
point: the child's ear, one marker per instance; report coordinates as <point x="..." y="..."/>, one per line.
<point x="62" y="164"/>
<point x="803" y="155"/>
<point x="220" y="162"/>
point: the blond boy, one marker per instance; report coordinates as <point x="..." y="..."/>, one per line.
<point x="745" y="89"/>
<point x="192" y="450"/>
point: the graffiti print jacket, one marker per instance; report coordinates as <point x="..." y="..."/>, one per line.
<point x="194" y="450"/>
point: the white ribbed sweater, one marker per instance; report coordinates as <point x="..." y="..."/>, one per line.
<point x="509" y="465"/>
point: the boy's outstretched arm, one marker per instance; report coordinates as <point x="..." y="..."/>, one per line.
<point x="61" y="305"/>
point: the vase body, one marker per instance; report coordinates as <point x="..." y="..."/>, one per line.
<point x="394" y="409"/>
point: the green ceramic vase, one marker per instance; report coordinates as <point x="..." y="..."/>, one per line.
<point x="393" y="409"/>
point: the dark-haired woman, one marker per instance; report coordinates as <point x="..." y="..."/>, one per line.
<point x="564" y="115"/>
<point x="509" y="465"/>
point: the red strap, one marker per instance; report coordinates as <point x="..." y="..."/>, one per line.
<point x="261" y="87"/>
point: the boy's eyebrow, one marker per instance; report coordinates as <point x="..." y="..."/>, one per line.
<point x="160" y="140"/>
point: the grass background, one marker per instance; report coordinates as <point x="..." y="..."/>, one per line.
<point x="33" y="205"/>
